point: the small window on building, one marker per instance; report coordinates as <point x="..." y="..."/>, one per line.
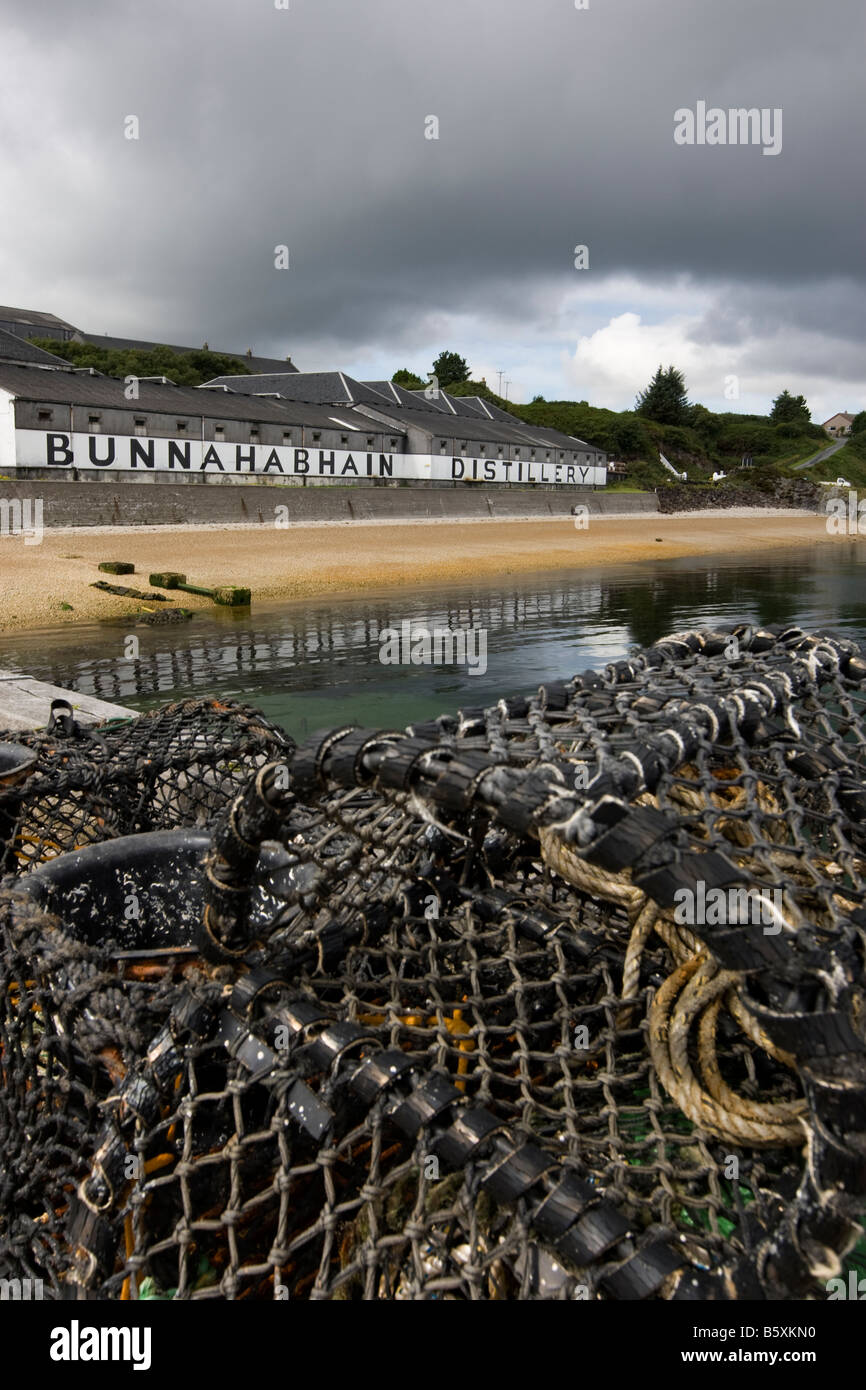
<point x="499" y="452"/>
<point x="219" y="432"/>
<point x="369" y="441"/>
<point x="317" y="434"/>
<point x="464" y="446"/>
<point x="532" y="455"/>
<point x="140" y="425"/>
<point x="517" y="453"/>
<point x="547" y="454"/>
<point x="392" y="443"/>
<point x="254" y="435"/>
<point x="287" y="438"/>
<point x="181" y="426"/>
<point x="344" y="440"/>
<point x="95" y="423"/>
<point x="482" y="449"/>
<point x="443" y="446"/>
<point x="46" y="416"/>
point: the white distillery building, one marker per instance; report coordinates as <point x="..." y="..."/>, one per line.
<point x="304" y="428"/>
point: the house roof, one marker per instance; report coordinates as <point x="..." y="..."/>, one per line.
<point x="317" y="388"/>
<point x="840" y="415"/>
<point x="410" y="400"/>
<point x="32" y="317"/>
<point x="71" y="387"/>
<point x="15" y="349"/>
<point x="512" y="431"/>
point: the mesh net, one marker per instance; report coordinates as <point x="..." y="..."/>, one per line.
<point x="557" y="999"/>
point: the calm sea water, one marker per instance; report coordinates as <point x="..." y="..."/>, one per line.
<point x="316" y="663"/>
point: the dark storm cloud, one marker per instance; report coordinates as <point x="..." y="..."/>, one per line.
<point x="305" y="126"/>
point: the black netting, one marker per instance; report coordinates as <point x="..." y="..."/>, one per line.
<point x="558" y="999"/>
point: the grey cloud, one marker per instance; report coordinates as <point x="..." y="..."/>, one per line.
<point x="305" y="127"/>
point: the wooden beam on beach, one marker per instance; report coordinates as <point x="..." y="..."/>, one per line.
<point x="126" y="592"/>
<point x="229" y="595"/>
<point x="25" y="703"/>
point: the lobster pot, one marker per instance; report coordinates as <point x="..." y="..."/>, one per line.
<point x="70" y="786"/>
<point x="558" y="999"/>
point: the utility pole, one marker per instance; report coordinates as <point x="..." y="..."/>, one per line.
<point x="499" y="388"/>
<point x="507" y="384"/>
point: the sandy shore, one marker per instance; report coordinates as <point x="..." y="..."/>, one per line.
<point x="304" y="561"/>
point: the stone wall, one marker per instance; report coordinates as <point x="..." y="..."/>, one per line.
<point x="797" y="493"/>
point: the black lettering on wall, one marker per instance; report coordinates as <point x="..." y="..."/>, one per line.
<point x="140" y="452"/>
<point x="179" y="453"/>
<point x="58" y="444"/>
<point x="212" y="457"/>
<point x="91" y="448"/>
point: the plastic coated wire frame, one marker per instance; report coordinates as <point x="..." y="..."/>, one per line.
<point x="434" y="927"/>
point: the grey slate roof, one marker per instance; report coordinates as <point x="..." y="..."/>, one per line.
<point x="15" y="349"/>
<point x="318" y="388"/>
<point x="469" y="405"/>
<point x="28" y="317"/>
<point x="466" y="427"/>
<point x="258" y="364"/>
<point x="416" y="400"/>
<point x="81" y="389"/>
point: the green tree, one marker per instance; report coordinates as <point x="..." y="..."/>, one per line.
<point x="183" y="368"/>
<point x="665" y="400"/>
<point x="858" y="424"/>
<point x="629" y="438"/>
<point x="408" y="380"/>
<point x="788" y="409"/>
<point x="450" y="369"/>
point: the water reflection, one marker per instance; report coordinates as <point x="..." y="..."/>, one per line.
<point x="317" y="662"/>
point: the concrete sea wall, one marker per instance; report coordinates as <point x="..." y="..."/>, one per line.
<point x="129" y="504"/>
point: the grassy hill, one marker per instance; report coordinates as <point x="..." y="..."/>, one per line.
<point x="709" y="443"/>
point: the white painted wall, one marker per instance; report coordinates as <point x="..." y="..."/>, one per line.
<point x="107" y="453"/>
<point x="7" y="432"/>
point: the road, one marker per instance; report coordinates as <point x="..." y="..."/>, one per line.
<point x="824" y="454"/>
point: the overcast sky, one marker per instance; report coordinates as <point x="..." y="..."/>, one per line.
<point x="305" y="126"/>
